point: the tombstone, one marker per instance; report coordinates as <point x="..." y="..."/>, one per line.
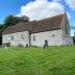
<point x="6" y="47"/>
<point x="26" y="45"/>
<point x="46" y="44"/>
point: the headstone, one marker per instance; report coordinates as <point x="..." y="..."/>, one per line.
<point x="6" y="47"/>
<point x="46" y="44"/>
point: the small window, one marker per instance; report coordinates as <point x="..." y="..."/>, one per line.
<point x="34" y="39"/>
<point x="12" y="38"/>
<point x="53" y="35"/>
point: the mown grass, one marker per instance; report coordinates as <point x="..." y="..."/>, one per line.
<point x="37" y="61"/>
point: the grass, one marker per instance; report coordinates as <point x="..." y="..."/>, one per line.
<point x="37" y="61"/>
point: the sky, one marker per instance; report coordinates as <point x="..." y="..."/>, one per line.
<point x="38" y="9"/>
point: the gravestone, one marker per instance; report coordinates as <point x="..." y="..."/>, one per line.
<point x="45" y="44"/>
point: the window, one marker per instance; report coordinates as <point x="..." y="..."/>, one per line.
<point x="53" y="35"/>
<point x="12" y="38"/>
<point x="34" y="39"/>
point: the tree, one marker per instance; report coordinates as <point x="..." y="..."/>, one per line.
<point x="73" y="39"/>
<point x="1" y="26"/>
<point x="24" y="19"/>
<point x="12" y="20"/>
<point x="74" y="34"/>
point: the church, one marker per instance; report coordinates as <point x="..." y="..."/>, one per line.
<point x="56" y="30"/>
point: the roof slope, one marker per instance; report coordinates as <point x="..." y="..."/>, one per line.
<point x="52" y="23"/>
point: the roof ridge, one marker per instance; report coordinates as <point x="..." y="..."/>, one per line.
<point x="37" y="26"/>
<point x="63" y="14"/>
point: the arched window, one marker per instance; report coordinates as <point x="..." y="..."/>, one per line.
<point x="53" y="35"/>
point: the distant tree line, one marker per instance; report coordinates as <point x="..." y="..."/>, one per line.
<point x="11" y="20"/>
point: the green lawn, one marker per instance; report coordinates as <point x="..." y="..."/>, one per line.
<point x="37" y="61"/>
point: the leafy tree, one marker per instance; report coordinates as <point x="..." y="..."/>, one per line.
<point x="12" y="20"/>
<point x="24" y="19"/>
<point x="1" y="26"/>
<point x="73" y="28"/>
<point x="73" y="39"/>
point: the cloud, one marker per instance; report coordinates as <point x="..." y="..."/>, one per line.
<point x="41" y="9"/>
<point x="57" y="0"/>
<point x="71" y="3"/>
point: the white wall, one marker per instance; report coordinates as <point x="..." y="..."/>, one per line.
<point x="58" y="39"/>
<point x="48" y="35"/>
<point x="68" y="40"/>
<point x="19" y="38"/>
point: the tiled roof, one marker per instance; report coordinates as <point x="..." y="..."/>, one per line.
<point x="52" y="23"/>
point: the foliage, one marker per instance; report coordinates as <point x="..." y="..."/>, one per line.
<point x="37" y="61"/>
<point x="73" y="39"/>
<point x="1" y="26"/>
<point x="12" y="20"/>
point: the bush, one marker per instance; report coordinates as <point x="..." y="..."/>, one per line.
<point x="73" y="39"/>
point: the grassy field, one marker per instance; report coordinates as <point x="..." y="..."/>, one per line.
<point x="37" y="61"/>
